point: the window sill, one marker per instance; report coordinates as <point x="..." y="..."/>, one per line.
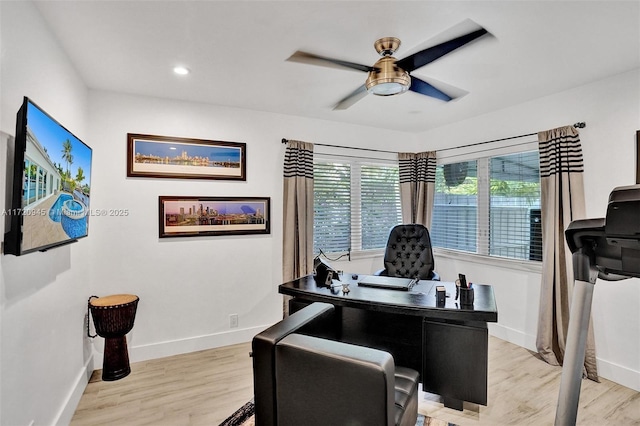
<point x="355" y="255"/>
<point x="501" y="262"/>
<point x="367" y="254"/>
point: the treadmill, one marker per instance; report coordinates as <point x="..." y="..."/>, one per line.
<point x="608" y="249"/>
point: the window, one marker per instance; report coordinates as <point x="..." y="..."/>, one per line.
<point x="356" y="202"/>
<point x="490" y="206"/>
<point x="331" y="207"/>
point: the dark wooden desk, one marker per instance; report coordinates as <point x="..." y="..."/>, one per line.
<point x="448" y="345"/>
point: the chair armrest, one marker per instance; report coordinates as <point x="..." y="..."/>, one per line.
<point x="326" y="382"/>
<point x="312" y="313"/>
<point x="381" y="272"/>
<point x="263" y="349"/>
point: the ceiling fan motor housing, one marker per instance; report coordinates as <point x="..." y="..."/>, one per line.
<point x="387" y="79"/>
<point x="387" y="46"/>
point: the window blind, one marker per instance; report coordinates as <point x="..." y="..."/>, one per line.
<point x="380" y="201"/>
<point x="332" y="207"/>
<point x="514" y="207"/>
<point x="356" y="203"/>
<point x="490" y="206"/>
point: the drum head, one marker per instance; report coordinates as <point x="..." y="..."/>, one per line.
<point x="113" y="300"/>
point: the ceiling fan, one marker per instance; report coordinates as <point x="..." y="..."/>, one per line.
<point x="391" y="76"/>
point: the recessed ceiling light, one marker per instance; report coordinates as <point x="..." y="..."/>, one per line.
<point x="180" y="70"/>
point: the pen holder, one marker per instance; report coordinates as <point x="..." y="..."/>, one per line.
<point x="466" y="296"/>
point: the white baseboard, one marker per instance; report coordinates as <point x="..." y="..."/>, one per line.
<point x="512" y="335"/>
<point x="607" y="370"/>
<point x="73" y="399"/>
<point x="191" y="344"/>
<point x="619" y="374"/>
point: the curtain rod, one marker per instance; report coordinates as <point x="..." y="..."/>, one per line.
<point x="349" y="147"/>
<point x="579" y="125"/>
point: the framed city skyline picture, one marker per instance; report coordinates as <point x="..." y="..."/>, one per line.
<point x="184" y="158"/>
<point x="190" y="216"/>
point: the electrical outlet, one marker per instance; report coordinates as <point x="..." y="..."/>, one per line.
<point x="233" y="320"/>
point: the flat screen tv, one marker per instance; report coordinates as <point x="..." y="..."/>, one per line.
<point x="50" y="184"/>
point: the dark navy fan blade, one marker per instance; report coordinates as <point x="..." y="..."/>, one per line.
<point x="352" y="98"/>
<point x="425" y="88"/>
<point x="430" y="54"/>
<point x="310" y="58"/>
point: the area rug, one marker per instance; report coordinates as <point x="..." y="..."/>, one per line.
<point x="244" y="417"/>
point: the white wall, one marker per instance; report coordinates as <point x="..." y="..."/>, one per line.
<point x="43" y="300"/>
<point x="611" y="109"/>
<point x="188" y="287"/>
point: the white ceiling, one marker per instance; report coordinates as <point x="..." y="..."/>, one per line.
<point x="237" y="51"/>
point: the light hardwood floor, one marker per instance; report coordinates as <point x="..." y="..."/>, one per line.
<point x="203" y="388"/>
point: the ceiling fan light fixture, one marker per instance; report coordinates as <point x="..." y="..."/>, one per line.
<point x="387" y="79"/>
<point x="388" y="89"/>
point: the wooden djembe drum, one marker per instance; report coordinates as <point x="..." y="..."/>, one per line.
<point x="113" y="317"/>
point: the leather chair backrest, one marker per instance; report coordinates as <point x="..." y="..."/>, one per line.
<point x="317" y="316"/>
<point x="322" y="382"/>
<point x="409" y="253"/>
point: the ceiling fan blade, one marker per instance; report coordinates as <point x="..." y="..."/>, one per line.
<point x="424" y="88"/>
<point x="310" y="58"/>
<point x="352" y="98"/>
<point x="430" y="54"/>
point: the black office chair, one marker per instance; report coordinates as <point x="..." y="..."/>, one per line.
<point x="409" y="254"/>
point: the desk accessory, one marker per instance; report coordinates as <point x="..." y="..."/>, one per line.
<point x="463" y="280"/>
<point x="323" y="273"/>
<point x="390" y="283"/>
<point x="441" y="294"/>
<point x="466" y="296"/>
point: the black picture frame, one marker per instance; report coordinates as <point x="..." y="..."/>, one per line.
<point x="192" y="216"/>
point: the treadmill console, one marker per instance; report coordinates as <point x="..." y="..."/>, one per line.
<point x="613" y="243"/>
